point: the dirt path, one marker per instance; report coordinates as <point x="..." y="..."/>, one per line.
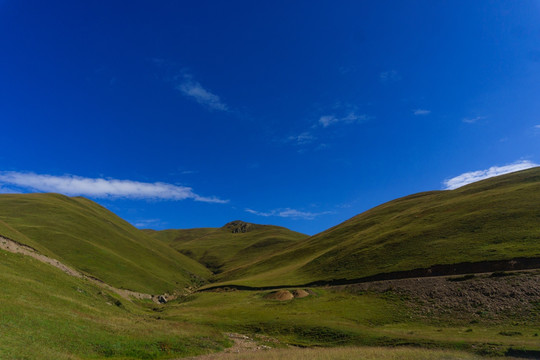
<point x="18" y="248"/>
<point x="242" y="344"/>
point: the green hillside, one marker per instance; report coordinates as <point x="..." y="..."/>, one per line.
<point x="92" y="239"/>
<point x="237" y="244"/>
<point x="494" y="219"/>
<point x="48" y="315"/>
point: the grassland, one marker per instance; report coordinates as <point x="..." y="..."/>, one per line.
<point x="47" y="314"/>
<point x="493" y="219"/>
<point x="95" y="241"/>
<point x="331" y="318"/>
<point x="347" y="353"/>
<point x="221" y="250"/>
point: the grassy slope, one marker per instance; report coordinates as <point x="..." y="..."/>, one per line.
<point x="92" y="239"/>
<point x="493" y="219"/>
<point x="338" y="318"/>
<point x="47" y="314"/>
<point x="221" y="250"/>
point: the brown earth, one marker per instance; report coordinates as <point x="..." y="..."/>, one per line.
<point x="300" y="293"/>
<point x="281" y="295"/>
<point x="242" y="344"/>
<point x="493" y="297"/>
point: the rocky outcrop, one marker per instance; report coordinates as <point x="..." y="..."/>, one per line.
<point x="239" y="226"/>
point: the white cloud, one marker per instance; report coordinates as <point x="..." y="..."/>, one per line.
<point x="328" y="120"/>
<point x="473" y="176"/>
<point x="473" y="120"/>
<point x="350" y="118"/>
<point x="389" y="76"/>
<point x="101" y="188"/>
<point x="288" y="213"/>
<point x="421" y="112"/>
<point x="147" y="223"/>
<point x="194" y="89"/>
<point x="537" y="126"/>
<point x="303" y="138"/>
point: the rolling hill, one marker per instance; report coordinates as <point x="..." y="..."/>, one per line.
<point x="494" y="219"/>
<point x="93" y="240"/>
<point x="236" y="244"/>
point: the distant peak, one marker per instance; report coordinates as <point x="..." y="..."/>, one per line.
<point x="238" y="226"/>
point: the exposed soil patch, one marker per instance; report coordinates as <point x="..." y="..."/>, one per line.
<point x="300" y="293"/>
<point x="242" y="344"/>
<point x="496" y="296"/>
<point x="281" y="295"/>
<point x="286" y="295"/>
<point x="18" y="248"/>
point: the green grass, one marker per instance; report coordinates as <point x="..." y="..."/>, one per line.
<point x="46" y="314"/>
<point x="493" y="219"/>
<point x="336" y="318"/>
<point x="221" y="250"/>
<point x="92" y="239"/>
<point x="347" y="353"/>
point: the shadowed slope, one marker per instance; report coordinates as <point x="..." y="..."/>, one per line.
<point x="494" y="219"/>
<point x="93" y="240"/>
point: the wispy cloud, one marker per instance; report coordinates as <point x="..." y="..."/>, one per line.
<point x="389" y="76"/>
<point x="328" y="120"/>
<point x="288" y="213"/>
<point x="302" y="139"/>
<point x="473" y="120"/>
<point x="350" y="118"/>
<point x="196" y="91"/>
<point x="537" y="126"/>
<point x="148" y="223"/>
<point x="421" y="112"/>
<point x="101" y="188"/>
<point x="473" y="176"/>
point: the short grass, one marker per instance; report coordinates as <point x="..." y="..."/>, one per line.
<point x="493" y="219"/>
<point x="46" y="314"/>
<point x="220" y="250"/>
<point x="92" y="239"/>
<point x="347" y="353"/>
<point x="334" y="318"/>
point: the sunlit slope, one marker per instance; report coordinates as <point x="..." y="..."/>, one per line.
<point x="494" y="219"/>
<point x="227" y="248"/>
<point x="47" y="314"/>
<point x="88" y="237"/>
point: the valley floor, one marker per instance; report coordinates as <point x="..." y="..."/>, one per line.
<point x="47" y="312"/>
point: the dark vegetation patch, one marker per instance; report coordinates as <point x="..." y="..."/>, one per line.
<point x="510" y="333"/>
<point x="479" y="299"/>
<point x="462" y="278"/>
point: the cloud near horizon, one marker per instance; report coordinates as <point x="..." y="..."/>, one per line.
<point x="72" y="185"/>
<point x="288" y="213"/>
<point x="474" y="176"/>
<point x="194" y="90"/>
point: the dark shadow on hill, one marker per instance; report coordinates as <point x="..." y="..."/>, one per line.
<point x="435" y="270"/>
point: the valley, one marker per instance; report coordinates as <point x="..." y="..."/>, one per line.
<point x="449" y="274"/>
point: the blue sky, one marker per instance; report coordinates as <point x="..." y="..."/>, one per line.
<point x="303" y="114"/>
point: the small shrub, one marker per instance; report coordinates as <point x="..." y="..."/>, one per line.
<point x="509" y="333"/>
